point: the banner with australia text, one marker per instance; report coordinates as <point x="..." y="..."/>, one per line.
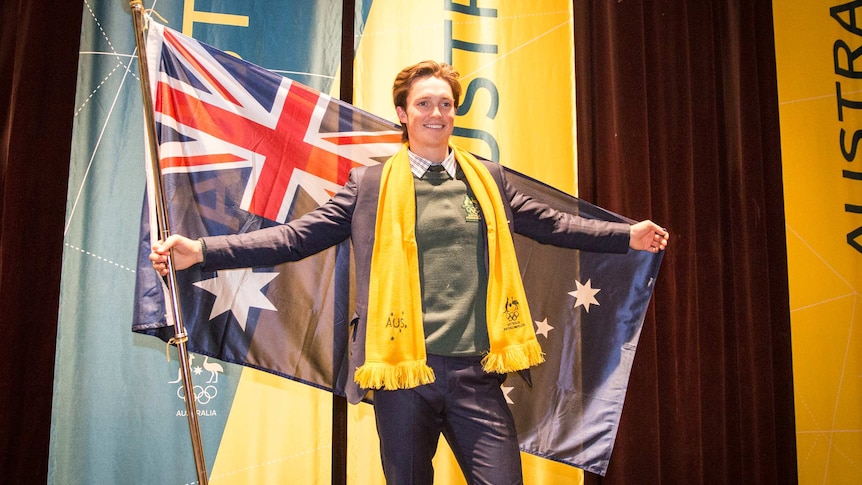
<point x="516" y="61"/>
<point x="818" y="44"/>
<point x="517" y="66"/>
<point x="118" y="411"/>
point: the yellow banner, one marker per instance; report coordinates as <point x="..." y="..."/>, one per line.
<point x="818" y="44"/>
<point x="516" y="61"/>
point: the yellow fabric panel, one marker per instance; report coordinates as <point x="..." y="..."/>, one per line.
<point x="532" y="73"/>
<point x="278" y="431"/>
<point x="825" y="272"/>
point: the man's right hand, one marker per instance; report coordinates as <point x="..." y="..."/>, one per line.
<point x="186" y="252"/>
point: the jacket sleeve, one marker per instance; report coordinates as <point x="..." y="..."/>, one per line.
<point x="537" y="220"/>
<point x="323" y="227"/>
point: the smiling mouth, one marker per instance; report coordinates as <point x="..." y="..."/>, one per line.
<point x="434" y="126"/>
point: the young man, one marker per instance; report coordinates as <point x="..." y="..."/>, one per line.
<point x="441" y="315"/>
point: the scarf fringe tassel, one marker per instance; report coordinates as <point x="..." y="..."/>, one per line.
<point x="514" y="358"/>
<point x="390" y="377"/>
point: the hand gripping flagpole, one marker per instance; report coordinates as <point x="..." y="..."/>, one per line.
<point x="180" y="338"/>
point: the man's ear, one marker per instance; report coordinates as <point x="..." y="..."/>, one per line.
<point x="402" y="115"/>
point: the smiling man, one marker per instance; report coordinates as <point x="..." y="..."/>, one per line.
<point x="441" y="314"/>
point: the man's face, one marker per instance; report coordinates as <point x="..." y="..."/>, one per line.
<point x="430" y="113"/>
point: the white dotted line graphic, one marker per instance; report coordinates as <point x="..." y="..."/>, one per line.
<point x="97" y="88"/>
<point x="99" y="24"/>
<point x="99" y="258"/>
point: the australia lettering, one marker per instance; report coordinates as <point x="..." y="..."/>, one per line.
<point x="192" y="16"/>
<point x="845" y="59"/>
<point x="397" y="323"/>
<point x="200" y="412"/>
<point x="478" y="86"/>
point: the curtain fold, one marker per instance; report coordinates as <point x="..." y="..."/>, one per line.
<point x="38" y="69"/>
<point x="678" y="123"/>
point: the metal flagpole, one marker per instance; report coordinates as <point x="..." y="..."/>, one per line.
<point x="180" y="338"/>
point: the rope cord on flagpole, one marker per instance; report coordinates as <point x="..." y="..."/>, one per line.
<point x="180" y="338"/>
<point x="175" y="340"/>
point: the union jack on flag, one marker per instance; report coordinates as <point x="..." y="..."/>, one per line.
<point x="218" y="112"/>
<point x="242" y="148"/>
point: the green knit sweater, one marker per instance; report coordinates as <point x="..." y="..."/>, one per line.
<point x="450" y="235"/>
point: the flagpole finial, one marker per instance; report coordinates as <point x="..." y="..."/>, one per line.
<point x="146" y="12"/>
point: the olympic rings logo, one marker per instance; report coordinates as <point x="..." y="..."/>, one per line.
<point x="203" y="395"/>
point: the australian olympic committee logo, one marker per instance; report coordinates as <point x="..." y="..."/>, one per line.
<point x="203" y="393"/>
<point x="512" y="311"/>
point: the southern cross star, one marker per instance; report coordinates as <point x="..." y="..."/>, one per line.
<point x="543" y="328"/>
<point x="585" y="295"/>
<point x="237" y="290"/>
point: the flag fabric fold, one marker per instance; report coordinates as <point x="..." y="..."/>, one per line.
<point x="243" y="148"/>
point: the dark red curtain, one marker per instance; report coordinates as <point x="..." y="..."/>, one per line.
<point x="678" y="122"/>
<point x="38" y="68"/>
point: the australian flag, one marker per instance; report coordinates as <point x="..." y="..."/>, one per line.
<point x="242" y="148"/>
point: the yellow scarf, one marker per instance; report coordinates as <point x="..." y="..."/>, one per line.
<point x="395" y="338"/>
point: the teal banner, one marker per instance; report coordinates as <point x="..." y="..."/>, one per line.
<point x="118" y="411"/>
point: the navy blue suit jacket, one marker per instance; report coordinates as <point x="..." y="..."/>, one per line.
<point x="352" y="212"/>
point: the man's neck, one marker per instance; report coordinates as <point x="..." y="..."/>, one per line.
<point x="435" y="154"/>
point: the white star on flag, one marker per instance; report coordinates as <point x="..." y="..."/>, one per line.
<point x="585" y="295"/>
<point x="543" y="327"/>
<point x="237" y="290"/>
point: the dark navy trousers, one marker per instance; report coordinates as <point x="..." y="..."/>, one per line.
<point x="467" y="406"/>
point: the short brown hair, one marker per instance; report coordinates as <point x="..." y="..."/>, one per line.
<point x="405" y="79"/>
